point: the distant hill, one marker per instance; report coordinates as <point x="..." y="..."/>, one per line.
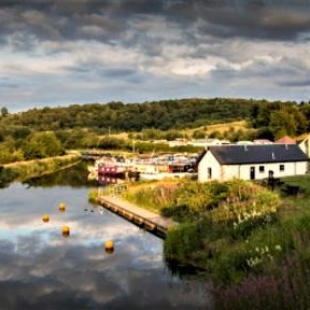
<point x="271" y="119"/>
<point x="163" y="115"/>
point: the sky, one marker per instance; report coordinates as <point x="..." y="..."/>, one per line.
<point x="63" y="52"/>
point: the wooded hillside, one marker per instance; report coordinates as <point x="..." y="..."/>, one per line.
<point x="39" y="133"/>
<point x="162" y="115"/>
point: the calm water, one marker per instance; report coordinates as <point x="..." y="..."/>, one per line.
<point x="41" y="269"/>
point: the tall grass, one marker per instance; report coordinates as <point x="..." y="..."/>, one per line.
<point x="93" y="196"/>
<point x="152" y="197"/>
<point x="284" y="285"/>
<point x="280" y="277"/>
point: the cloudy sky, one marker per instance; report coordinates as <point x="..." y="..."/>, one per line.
<point x="60" y="52"/>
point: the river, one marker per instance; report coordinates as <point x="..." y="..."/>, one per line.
<point x="42" y="269"/>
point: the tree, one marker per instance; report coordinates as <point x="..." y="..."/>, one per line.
<point x="288" y="120"/>
<point x="199" y="134"/>
<point x="41" y="145"/>
<point x="264" y="133"/>
<point x="4" y="111"/>
<point x="9" y="152"/>
<point x="283" y="123"/>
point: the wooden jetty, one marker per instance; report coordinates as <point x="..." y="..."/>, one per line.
<point x="148" y="220"/>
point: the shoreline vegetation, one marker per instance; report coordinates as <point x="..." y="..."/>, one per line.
<point x="20" y="171"/>
<point x="253" y="243"/>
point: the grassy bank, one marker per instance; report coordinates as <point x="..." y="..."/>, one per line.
<point x="20" y="171"/>
<point x="252" y="242"/>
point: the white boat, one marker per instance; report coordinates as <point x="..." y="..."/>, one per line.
<point x="167" y="175"/>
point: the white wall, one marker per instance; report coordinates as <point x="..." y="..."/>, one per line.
<point x="243" y="171"/>
<point x="208" y="161"/>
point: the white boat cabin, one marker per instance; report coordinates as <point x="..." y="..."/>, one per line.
<point x="251" y="162"/>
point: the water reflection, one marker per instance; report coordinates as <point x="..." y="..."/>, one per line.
<point x="41" y="269"/>
<point x="75" y="177"/>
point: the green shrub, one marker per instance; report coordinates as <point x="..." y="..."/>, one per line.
<point x="7" y="175"/>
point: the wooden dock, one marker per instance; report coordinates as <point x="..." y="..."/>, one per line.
<point x="143" y="218"/>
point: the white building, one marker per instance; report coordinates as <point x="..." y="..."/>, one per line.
<point x="207" y="142"/>
<point x="251" y="162"/>
<point x="178" y="142"/>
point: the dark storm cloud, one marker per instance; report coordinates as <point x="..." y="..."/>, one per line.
<point x="254" y="19"/>
<point x="262" y="69"/>
<point x="71" y="20"/>
<point x="140" y="7"/>
<point x="58" y="20"/>
<point x="118" y="72"/>
<point x="9" y="85"/>
<point x="109" y="20"/>
<point x="105" y="71"/>
<point x="6" y="83"/>
<point x="295" y="83"/>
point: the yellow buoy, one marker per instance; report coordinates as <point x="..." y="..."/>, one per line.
<point x="109" y="246"/>
<point x="45" y="218"/>
<point x="65" y="230"/>
<point x="62" y="207"/>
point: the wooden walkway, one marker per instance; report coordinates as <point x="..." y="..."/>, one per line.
<point x="148" y="220"/>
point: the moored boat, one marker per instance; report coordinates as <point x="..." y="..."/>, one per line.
<point x="113" y="170"/>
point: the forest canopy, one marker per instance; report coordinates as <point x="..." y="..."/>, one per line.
<point x="162" y="115"/>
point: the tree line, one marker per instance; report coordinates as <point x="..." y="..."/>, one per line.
<point x="163" y="115"/>
<point x="39" y="133"/>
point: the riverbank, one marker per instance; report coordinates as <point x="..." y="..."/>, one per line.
<point x="20" y="171"/>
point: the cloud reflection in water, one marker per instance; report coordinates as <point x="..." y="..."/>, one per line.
<point x="39" y="269"/>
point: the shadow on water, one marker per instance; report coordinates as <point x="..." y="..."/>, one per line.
<point x="75" y="176"/>
<point x="185" y="271"/>
<point x="6" y="177"/>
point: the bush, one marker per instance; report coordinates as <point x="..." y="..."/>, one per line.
<point x="7" y="176"/>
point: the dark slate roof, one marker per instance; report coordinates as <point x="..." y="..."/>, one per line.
<point x="255" y="154"/>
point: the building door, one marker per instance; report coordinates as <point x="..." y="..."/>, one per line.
<point x="252" y="173"/>
<point x="270" y="174"/>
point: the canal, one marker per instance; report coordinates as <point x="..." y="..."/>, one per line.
<point x="42" y="269"/>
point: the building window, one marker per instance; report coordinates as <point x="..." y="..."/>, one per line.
<point x="261" y="168"/>
<point x="209" y="173"/>
<point x="281" y="167"/>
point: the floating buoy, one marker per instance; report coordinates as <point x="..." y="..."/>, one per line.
<point x="62" y="207"/>
<point x="45" y="218"/>
<point x="100" y="210"/>
<point x="109" y="246"/>
<point x="65" y="231"/>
